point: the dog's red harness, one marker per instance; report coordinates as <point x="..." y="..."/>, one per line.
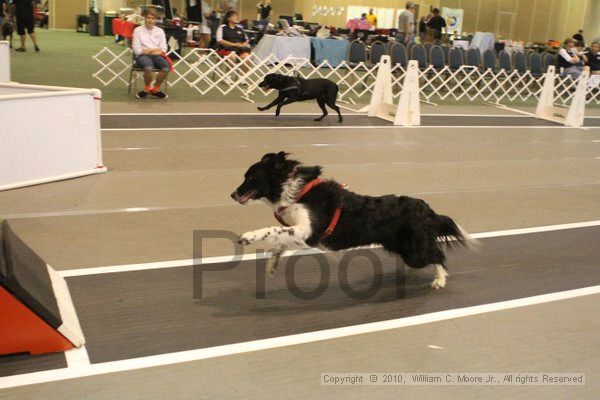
<point x="306" y="189"/>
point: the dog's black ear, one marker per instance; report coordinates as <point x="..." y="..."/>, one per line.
<point x="278" y="159"/>
<point x="267" y="157"/>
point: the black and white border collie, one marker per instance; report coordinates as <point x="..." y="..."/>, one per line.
<point x="401" y="224"/>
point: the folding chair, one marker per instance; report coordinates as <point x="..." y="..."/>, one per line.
<point x="504" y="61"/>
<point x="535" y="65"/>
<point x="436" y="57"/>
<point x="473" y="57"/>
<point x="520" y="64"/>
<point x="136" y="71"/>
<point x="548" y="60"/>
<point x="378" y="49"/>
<point x="456" y="58"/>
<point x="398" y="54"/>
<point x="489" y="60"/>
<point x="357" y="53"/>
<point x="417" y="52"/>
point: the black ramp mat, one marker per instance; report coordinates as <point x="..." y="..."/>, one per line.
<point x="25" y="275"/>
<point x="25" y="363"/>
<point x="142" y="313"/>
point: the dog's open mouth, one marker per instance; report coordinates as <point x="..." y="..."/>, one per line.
<point x="247" y="197"/>
<point x="265" y="87"/>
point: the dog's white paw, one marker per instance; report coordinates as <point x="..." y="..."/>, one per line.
<point x="440" y="277"/>
<point x="257" y="235"/>
<point x="438" y="283"/>
<point x="247" y="238"/>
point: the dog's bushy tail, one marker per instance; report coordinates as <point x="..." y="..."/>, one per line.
<point x="450" y="233"/>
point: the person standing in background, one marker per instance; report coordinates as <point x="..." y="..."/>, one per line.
<point x="406" y="23"/>
<point x="372" y="19"/>
<point x="25" y="22"/>
<point x="194" y="11"/>
<point x="199" y="11"/>
<point x="3" y="11"/>
<point x="223" y="6"/>
<point x="264" y="11"/>
<point x="592" y="57"/>
<point x="578" y="37"/>
<point x="423" y="28"/>
<point x="437" y="22"/>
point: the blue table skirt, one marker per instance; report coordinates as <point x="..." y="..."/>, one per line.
<point x="333" y="50"/>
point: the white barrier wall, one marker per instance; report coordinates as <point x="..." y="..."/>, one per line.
<point x="4" y="62"/>
<point x="48" y="134"/>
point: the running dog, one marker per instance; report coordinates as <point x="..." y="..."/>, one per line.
<point x="293" y="89"/>
<point x="322" y="213"/>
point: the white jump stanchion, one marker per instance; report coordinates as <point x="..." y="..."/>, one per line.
<point x="4" y="61"/>
<point x="382" y="99"/>
<point x="575" y="114"/>
<point x="408" y="110"/>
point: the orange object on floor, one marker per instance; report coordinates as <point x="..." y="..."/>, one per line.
<point x="22" y="331"/>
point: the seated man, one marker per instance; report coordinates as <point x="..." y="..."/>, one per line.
<point x="149" y="46"/>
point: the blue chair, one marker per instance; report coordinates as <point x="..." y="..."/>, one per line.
<point x="378" y="49"/>
<point x="548" y="60"/>
<point x="456" y="59"/>
<point x="417" y="52"/>
<point x="436" y="57"/>
<point x="446" y="50"/>
<point x="528" y="53"/>
<point x="473" y="57"/>
<point x="399" y="55"/>
<point x="357" y="52"/>
<point x="535" y="64"/>
<point x="489" y="60"/>
<point x="520" y="64"/>
<point x="504" y="61"/>
<point x="427" y="46"/>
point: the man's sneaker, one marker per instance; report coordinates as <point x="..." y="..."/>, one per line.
<point x="20" y="50"/>
<point x="142" y="95"/>
<point x="159" y="94"/>
<point x="37" y="48"/>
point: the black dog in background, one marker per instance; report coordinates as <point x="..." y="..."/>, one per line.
<point x="293" y="89"/>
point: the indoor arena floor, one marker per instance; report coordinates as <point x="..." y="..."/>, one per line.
<point x="528" y="189"/>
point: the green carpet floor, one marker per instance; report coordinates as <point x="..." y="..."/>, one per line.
<point x="66" y="60"/>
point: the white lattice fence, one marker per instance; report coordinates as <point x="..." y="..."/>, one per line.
<point x="205" y="71"/>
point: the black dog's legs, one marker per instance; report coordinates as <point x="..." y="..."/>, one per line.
<point x="283" y="103"/>
<point x="331" y="104"/>
<point x="321" y="102"/>
<point x="278" y="100"/>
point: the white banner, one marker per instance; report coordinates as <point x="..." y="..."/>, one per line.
<point x="454" y="19"/>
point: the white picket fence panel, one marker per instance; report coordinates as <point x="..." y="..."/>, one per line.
<point x="205" y="71"/>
